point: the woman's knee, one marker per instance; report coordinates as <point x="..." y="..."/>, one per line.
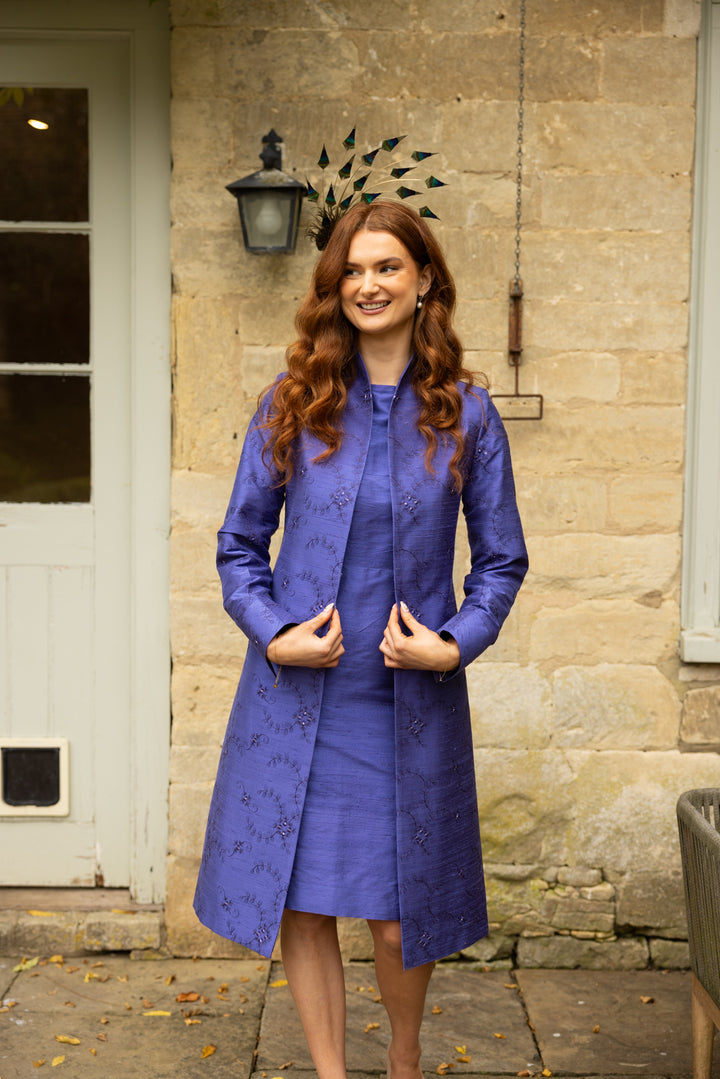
<point x="388" y="936"/>
<point x="301" y="923"/>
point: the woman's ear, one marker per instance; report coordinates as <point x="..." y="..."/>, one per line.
<point x="425" y="280"/>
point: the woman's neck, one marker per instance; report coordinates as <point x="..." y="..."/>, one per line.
<point x="385" y="359"/>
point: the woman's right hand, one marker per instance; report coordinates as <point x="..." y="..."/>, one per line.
<point x="300" y="645"/>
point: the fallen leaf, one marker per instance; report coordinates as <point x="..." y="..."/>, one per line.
<point x="26" y="964"/>
<point x="243" y="999"/>
<point x="41" y="913"/>
<point x="8" y="1004"/>
<point x="260" y="967"/>
<point x="499" y="1035"/>
<point x="128" y="1007"/>
<point x="71" y="970"/>
<point x="124" y="977"/>
<point x="461" y="1048"/>
<point x="287" y="1064"/>
<point x="57" y="1060"/>
<point x="101" y="1037"/>
<point x="523" y="1074"/>
<point x="70" y="1004"/>
<point x="147" y="1003"/>
<point x="436" y="1010"/>
<point x="192" y="1022"/>
<point x="56" y="959"/>
<point x="647" y="1000"/>
<point x="67" y="1039"/>
<point x="157" y="1013"/>
<point x="547" y="1073"/>
<point x="209" y="1050"/>
<point x="277" y="984"/>
<point x="90" y="977"/>
<point x="464" y="1059"/>
<point x="442" y="1068"/>
<point x="244" y="978"/>
<point x="596" y="1030"/>
<point x="224" y="987"/>
<point x="104" y="1021"/>
<point x="511" y="985"/>
<point x="205" y="1000"/>
<point x="39" y="1063"/>
<point x="371" y="1026"/>
<point x="170" y="979"/>
<point x="120" y="910"/>
<point x="223" y="996"/>
<point x="93" y="1051"/>
<point x="98" y="964"/>
<point x="187" y="998"/>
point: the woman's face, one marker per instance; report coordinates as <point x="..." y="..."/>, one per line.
<point x="381" y="284"/>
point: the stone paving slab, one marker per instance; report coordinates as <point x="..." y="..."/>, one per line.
<point x="464" y="1009"/>
<point x="633" y="1038"/>
<point x="57" y="999"/>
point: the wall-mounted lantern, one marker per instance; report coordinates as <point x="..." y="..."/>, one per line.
<point x="269" y="203"/>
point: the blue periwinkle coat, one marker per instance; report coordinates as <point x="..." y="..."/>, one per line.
<point x="266" y="756"/>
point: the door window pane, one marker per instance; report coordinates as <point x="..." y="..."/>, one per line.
<point x="44" y="438"/>
<point x="44" y="175"/>
<point x="44" y="299"/>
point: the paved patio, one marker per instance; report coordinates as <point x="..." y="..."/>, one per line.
<point x="168" y="1018"/>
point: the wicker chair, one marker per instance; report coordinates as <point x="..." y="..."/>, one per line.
<point x="698" y="814"/>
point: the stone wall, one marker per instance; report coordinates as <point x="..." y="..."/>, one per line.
<point x="587" y="727"/>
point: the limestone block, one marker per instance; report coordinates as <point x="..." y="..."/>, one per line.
<point x="657" y="378"/>
<point x="510" y="706"/>
<point x="604" y="631"/>
<point x="495" y="946"/>
<point x="201" y="632"/>
<point x="187" y="812"/>
<point x="472" y="15"/>
<point x="669" y="954"/>
<point x="261" y="365"/>
<point x="618" y="202"/>
<point x="600" y="439"/>
<point x="201" y="701"/>
<point x="561" y="952"/>
<point x="60" y="932"/>
<point x="186" y="936"/>
<point x="483" y="201"/>
<point x="576" y="378"/>
<point x="595" y="20"/>
<point x="481" y="324"/>
<point x="283" y="64"/>
<point x="199" y="499"/>
<point x="561" y="503"/>
<point x="598" y="565"/>
<point x="649" y="70"/>
<point x="587" y="921"/>
<point x="193" y="70"/>
<point x="651" y="900"/>
<point x="356" y="943"/>
<point x="599" y="893"/>
<point x="615" y="706"/>
<point x="699" y="672"/>
<point x="562" y="68"/>
<point x="701" y="717"/>
<point x="580" y="876"/>
<point x="203" y="134"/>
<point x="198" y="200"/>
<point x="646" y="503"/>
<point x="475" y="66"/>
<point x="493" y="147"/>
<point x="192" y="562"/>
<point x="624" y="814"/>
<point x="240" y="13"/>
<point x="520" y="906"/>
<point x="597" y="267"/>
<point x="636" y="139"/>
<point x="473" y="256"/>
<point x="193" y="764"/>
<point x="682" y="17"/>
<point x="107" y="931"/>
<point x="525" y="805"/>
<point x="605" y="325"/>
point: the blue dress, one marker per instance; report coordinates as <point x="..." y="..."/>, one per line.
<point x="346" y="857"/>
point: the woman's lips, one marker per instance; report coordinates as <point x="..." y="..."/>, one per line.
<point x="380" y="305"/>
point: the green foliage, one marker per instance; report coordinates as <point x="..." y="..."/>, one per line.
<point x="14" y="93"/>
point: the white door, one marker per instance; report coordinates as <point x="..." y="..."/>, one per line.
<point x="65" y="461"/>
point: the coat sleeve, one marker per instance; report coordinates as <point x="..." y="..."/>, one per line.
<point x="498" y="557"/>
<point x="243" y="556"/>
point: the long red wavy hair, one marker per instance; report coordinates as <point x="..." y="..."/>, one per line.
<point x="321" y="363"/>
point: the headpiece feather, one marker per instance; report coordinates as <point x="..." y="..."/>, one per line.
<point x="349" y="184"/>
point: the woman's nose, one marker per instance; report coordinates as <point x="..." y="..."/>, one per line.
<point x="369" y="283"/>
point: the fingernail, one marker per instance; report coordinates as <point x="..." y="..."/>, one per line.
<point x="404" y="605"/>
<point x="328" y="608"/>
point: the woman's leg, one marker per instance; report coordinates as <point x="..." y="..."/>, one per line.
<point x="403" y="993"/>
<point x="311" y="957"/>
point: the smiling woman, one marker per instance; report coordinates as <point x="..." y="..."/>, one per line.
<point x="354" y="681"/>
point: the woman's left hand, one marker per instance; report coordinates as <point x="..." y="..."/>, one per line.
<point x="422" y="650"/>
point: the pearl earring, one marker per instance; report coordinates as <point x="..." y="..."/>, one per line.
<point x="419" y="302"/>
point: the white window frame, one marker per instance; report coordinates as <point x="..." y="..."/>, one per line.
<point x="700" y="629"/>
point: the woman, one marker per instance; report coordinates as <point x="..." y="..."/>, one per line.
<point x="346" y="782"/>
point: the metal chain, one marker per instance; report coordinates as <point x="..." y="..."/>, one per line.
<point x="520" y="131"/>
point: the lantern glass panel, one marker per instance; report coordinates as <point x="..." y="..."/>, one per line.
<point x="268" y="218"/>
